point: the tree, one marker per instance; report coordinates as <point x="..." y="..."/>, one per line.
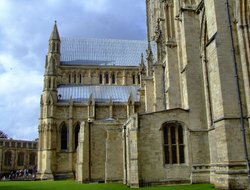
<point x="3" y="135"/>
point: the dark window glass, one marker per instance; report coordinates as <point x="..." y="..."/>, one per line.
<point x="100" y="78"/>
<point x="7" y="158"/>
<point x="182" y="156"/>
<point x="173" y="139"/>
<point x="74" y="78"/>
<point x="174" y="154"/>
<point x="69" y="78"/>
<point x="64" y="138"/>
<point x="166" y="149"/>
<point x="77" y="129"/>
<point x="139" y="79"/>
<point x="113" y="78"/>
<point x="173" y="143"/>
<point x="20" y="159"/>
<point x="80" y="78"/>
<point x="107" y="78"/>
<point x="32" y="159"/>
<point x="180" y="135"/>
<point x="133" y="78"/>
<point x="165" y="131"/>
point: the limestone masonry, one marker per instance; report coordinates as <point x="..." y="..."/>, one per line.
<point x="173" y="109"/>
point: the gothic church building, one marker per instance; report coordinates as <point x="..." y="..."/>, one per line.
<point x="174" y="109"/>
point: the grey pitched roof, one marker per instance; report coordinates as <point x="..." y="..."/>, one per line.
<point x="102" y="93"/>
<point x="111" y="52"/>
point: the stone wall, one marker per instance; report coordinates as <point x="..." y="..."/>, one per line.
<point x="16" y="147"/>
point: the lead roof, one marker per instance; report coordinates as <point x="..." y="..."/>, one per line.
<point x="106" y="52"/>
<point x="101" y="93"/>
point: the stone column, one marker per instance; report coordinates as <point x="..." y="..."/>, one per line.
<point x="132" y="154"/>
<point x="226" y="144"/>
<point x="159" y="94"/>
<point x="113" y="163"/>
<point x="70" y="137"/>
<point x="83" y="154"/>
<point x="124" y="78"/>
<point x="149" y="94"/>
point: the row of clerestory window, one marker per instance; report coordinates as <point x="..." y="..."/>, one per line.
<point x="106" y="78"/>
<point x="103" y="78"/>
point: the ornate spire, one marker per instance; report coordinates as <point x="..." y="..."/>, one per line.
<point x="54" y="34"/>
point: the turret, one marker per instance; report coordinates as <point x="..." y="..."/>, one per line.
<point x="54" y="41"/>
<point x="52" y="60"/>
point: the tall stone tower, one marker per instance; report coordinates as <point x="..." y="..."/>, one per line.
<point x="47" y="127"/>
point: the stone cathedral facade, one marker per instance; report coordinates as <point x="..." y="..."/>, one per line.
<point x="174" y="109"/>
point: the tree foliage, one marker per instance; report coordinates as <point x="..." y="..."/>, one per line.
<point x="3" y="135"/>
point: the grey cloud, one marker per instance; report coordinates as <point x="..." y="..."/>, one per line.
<point x="24" y="34"/>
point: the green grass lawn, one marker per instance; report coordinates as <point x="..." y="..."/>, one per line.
<point x="72" y="185"/>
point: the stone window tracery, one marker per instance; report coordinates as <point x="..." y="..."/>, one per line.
<point x="173" y="143"/>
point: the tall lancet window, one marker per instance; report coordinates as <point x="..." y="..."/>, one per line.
<point x="77" y="129"/>
<point x="113" y="78"/>
<point x="133" y="78"/>
<point x="100" y="78"/>
<point x="106" y="78"/>
<point x="64" y="137"/>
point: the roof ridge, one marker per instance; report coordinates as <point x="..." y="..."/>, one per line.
<point x="102" y="39"/>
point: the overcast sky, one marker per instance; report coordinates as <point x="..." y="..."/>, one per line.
<point x="25" y="27"/>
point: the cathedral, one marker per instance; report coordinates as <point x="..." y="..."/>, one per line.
<point x="173" y="109"/>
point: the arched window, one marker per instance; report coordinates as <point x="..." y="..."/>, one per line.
<point x="74" y="78"/>
<point x="32" y="158"/>
<point x="100" y="78"/>
<point x="139" y="79"/>
<point x="113" y="78"/>
<point x="80" y="78"/>
<point x="20" y="159"/>
<point x="64" y="137"/>
<point x="69" y="78"/>
<point x="133" y="78"/>
<point x="7" y="158"/>
<point x="106" y="78"/>
<point x="173" y="143"/>
<point x="77" y="129"/>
